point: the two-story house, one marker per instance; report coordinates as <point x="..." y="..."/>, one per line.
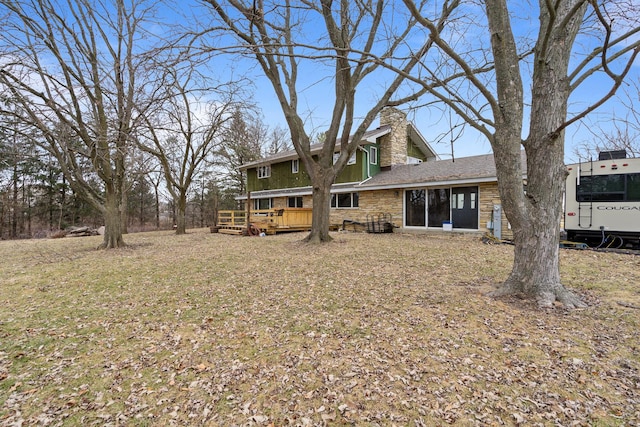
<point x="394" y="171"/>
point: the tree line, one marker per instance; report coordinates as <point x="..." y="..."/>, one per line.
<point x="37" y="201"/>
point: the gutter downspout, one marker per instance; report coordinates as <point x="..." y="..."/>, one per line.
<point x="368" y="162"/>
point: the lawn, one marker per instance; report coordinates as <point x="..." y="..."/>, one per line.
<point x="210" y="329"/>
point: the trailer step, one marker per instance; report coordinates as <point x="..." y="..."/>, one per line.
<point x="573" y="245"/>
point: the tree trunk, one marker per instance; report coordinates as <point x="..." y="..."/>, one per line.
<point x="2" y="206"/>
<point x="321" y="211"/>
<point x="14" y="214"/>
<point x="29" y="211"/>
<point x="124" y="214"/>
<point x="536" y="269"/>
<point x="63" y="200"/>
<point x="181" y="209"/>
<point x="157" y="208"/>
<point x="202" y="206"/>
<point x="112" y="221"/>
<point x="534" y="213"/>
<point x="141" y="218"/>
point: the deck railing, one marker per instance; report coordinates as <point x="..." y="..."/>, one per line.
<point x="284" y="218"/>
<point x="232" y="218"/>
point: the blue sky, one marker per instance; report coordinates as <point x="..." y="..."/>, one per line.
<point x="316" y="103"/>
<point x="433" y="124"/>
<point x="316" y="98"/>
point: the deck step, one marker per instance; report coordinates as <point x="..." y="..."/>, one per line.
<point x="234" y="231"/>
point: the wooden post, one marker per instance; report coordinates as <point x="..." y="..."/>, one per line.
<point x="248" y="208"/>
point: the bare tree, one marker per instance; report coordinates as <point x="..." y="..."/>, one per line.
<point x="18" y="156"/>
<point x="278" y="141"/>
<point x="621" y="132"/>
<point x="243" y="143"/>
<point x="488" y="91"/>
<point x="155" y="177"/>
<point x="78" y="66"/>
<point x="186" y="130"/>
<point x="246" y="139"/>
<point x="621" y="136"/>
<point x="140" y="181"/>
<point x="344" y="42"/>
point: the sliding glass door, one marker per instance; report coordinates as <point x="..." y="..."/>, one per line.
<point x="438" y="210"/>
<point x="415" y="206"/>
<point x="431" y="207"/>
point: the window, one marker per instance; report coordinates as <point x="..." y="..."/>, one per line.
<point x="351" y="161"/>
<point x="261" y="204"/>
<point x="264" y="171"/>
<point x="373" y="155"/>
<point x="295" y="202"/>
<point x="438" y="206"/>
<point x="415" y="206"/>
<point x="457" y="201"/>
<point x="344" y="200"/>
<point x="633" y="186"/>
<point x="295" y="165"/>
<point x="609" y="188"/>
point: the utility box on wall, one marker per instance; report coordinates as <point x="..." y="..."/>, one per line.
<point x="497" y="221"/>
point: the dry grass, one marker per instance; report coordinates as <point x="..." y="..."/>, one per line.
<point x="208" y="329"/>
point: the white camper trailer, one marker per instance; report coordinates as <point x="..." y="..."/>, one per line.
<point x="602" y="201"/>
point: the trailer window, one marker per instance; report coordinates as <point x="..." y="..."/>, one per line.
<point x="633" y="187"/>
<point x="609" y="188"/>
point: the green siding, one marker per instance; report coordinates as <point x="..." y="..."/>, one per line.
<point x="414" y="151"/>
<point x="353" y="173"/>
<point x="373" y="169"/>
<point x="282" y="177"/>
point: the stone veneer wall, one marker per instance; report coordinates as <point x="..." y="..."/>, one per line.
<point x="372" y="203"/>
<point x="279" y="202"/>
<point x="393" y="147"/>
<point x="490" y="196"/>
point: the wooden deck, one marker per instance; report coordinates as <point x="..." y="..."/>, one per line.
<point x="268" y="221"/>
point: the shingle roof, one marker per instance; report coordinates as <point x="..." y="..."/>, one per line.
<point x="472" y="168"/>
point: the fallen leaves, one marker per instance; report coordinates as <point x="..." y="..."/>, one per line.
<point x="185" y="331"/>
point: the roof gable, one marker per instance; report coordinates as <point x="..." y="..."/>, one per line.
<point x="421" y="143"/>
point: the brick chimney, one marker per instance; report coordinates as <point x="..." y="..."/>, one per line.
<point x="393" y="146"/>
